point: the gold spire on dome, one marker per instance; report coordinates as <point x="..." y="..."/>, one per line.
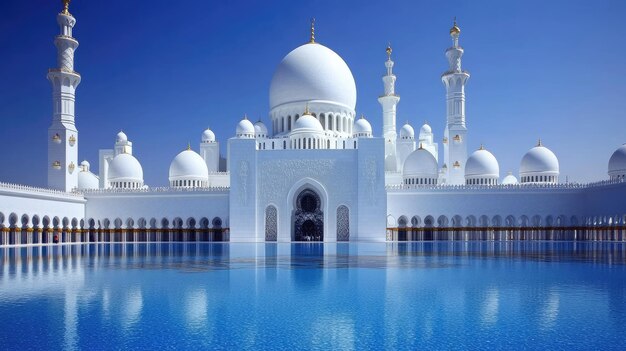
<point x="455" y="30"/>
<point x="245" y="116"/>
<point x="306" y="109"/>
<point x="481" y="147"/>
<point x="66" y="7"/>
<point x="362" y="116"/>
<point x="421" y="147"/>
<point x="188" y="146"/>
<point x="312" y="40"/>
<point x="389" y="50"/>
<point x="539" y="142"/>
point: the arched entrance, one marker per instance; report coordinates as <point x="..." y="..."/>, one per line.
<point x="308" y="217"/>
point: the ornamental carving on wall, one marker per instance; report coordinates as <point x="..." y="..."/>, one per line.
<point x="244" y="171"/>
<point x="371" y="178"/>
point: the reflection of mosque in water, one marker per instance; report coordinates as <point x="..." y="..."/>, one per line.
<point x="113" y="279"/>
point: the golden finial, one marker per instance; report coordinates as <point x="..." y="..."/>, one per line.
<point x="362" y="117"/>
<point x="312" y="41"/>
<point x="66" y="7"/>
<point x="455" y="30"/>
<point x="481" y="147"/>
<point x="539" y="142"/>
<point x="245" y="116"/>
<point x="421" y="146"/>
<point x="389" y="50"/>
<point x="188" y="146"/>
<point x="306" y="109"/>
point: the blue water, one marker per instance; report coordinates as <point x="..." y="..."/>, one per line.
<point x="437" y="295"/>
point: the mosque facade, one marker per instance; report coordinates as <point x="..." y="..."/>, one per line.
<point x="315" y="172"/>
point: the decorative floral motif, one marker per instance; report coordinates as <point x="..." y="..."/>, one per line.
<point x="371" y="178"/>
<point x="243" y="183"/>
<point x="343" y="223"/>
<point x="271" y="223"/>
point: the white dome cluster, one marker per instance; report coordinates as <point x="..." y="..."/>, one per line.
<point x="208" y="136"/>
<point x="188" y="170"/>
<point x="125" y="172"/>
<point x="308" y="123"/>
<point x="362" y="128"/>
<point x="617" y="164"/>
<point x="482" y="168"/>
<point x="539" y="165"/>
<point x="245" y="129"/>
<point x="121" y="137"/>
<point x="420" y="168"/>
<point x="307" y="133"/>
<point x="509" y="179"/>
<point x="260" y="130"/>
<point x="86" y="179"/>
<point x="407" y="132"/>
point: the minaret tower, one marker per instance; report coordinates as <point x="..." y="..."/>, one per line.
<point x="389" y="100"/>
<point x="454" y="142"/>
<point x="62" y="134"/>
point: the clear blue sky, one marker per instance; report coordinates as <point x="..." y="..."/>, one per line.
<point x="163" y="71"/>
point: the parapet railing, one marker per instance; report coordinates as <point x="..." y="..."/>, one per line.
<point x="163" y="189"/>
<point x="36" y="190"/>
<point x="505" y="187"/>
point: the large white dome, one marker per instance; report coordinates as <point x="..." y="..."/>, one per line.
<point x="188" y="165"/>
<point x="617" y="162"/>
<point x="125" y="168"/>
<point x="313" y="72"/>
<point x="482" y="163"/>
<point x="539" y="161"/>
<point x="421" y="164"/>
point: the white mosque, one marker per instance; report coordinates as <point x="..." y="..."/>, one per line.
<point x="318" y="173"/>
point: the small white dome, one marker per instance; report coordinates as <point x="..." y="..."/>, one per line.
<point x="313" y="72"/>
<point x="121" y="136"/>
<point x="208" y="136"/>
<point x="407" y="132"/>
<point x="482" y="164"/>
<point x="420" y="163"/>
<point x="260" y="130"/>
<point x="617" y="162"/>
<point x="509" y="179"/>
<point x="125" y="167"/>
<point x="188" y="165"/>
<point x="539" y="161"/>
<point x="87" y="180"/>
<point x="308" y="122"/>
<point x="426" y="129"/>
<point x="84" y="165"/>
<point x="362" y="127"/>
<point x="245" y="129"/>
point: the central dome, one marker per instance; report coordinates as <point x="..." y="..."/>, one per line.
<point x="313" y="72"/>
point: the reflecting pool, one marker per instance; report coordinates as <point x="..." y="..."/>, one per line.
<point x="422" y="295"/>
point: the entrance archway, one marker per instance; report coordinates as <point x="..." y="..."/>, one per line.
<point x="308" y="217"/>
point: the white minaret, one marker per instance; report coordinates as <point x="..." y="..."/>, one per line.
<point x="454" y="141"/>
<point x="389" y="100"/>
<point x="62" y="134"/>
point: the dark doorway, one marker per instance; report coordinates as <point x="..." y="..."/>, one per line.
<point x="308" y="217"/>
